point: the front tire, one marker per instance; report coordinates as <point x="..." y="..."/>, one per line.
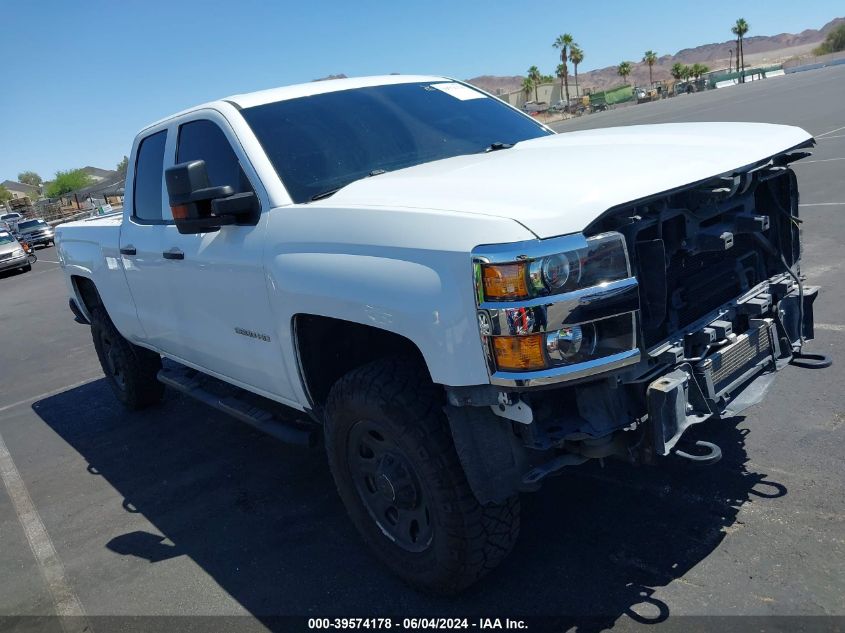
<point x="130" y="370"/>
<point x="396" y="469"/>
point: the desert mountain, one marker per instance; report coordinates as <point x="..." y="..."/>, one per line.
<point x="759" y="50"/>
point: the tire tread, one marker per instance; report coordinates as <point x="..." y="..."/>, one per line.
<point x="479" y="536"/>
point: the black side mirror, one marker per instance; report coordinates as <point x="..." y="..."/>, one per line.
<point x="200" y="208"/>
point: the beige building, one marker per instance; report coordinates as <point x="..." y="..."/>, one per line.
<point x="20" y="190"/>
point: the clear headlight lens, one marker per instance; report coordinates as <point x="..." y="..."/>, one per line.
<point x="18" y="252"/>
<point x="605" y="259"/>
<point x="591" y="340"/>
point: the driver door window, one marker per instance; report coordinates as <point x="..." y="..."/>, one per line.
<point x="204" y="140"/>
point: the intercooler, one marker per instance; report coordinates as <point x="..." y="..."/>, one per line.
<point x="734" y="364"/>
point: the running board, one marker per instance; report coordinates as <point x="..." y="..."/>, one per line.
<point x="254" y="410"/>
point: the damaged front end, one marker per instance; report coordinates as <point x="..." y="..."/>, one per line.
<point x="708" y="304"/>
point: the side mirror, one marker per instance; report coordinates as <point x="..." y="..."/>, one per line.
<point x="200" y="208"/>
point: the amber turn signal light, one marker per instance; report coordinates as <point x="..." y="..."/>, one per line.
<point x="519" y="353"/>
<point x="179" y="211"/>
<point x="505" y="281"/>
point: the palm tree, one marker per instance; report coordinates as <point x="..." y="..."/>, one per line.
<point x="576" y="56"/>
<point x="535" y="77"/>
<point x="527" y="87"/>
<point x="677" y="71"/>
<point x="563" y="42"/>
<point x="649" y="58"/>
<point x="686" y="71"/>
<point x="560" y="72"/>
<point x="697" y="70"/>
<point x="740" y="29"/>
<point x="624" y="69"/>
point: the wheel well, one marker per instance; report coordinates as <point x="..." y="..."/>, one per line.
<point x="328" y="348"/>
<point x="87" y="292"/>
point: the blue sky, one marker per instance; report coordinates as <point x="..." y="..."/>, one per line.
<point x="86" y="75"/>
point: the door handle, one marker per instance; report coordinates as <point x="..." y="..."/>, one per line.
<point x="173" y="253"/>
<point x="128" y="250"/>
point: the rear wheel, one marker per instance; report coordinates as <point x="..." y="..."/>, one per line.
<point x="131" y="370"/>
<point x="395" y="466"/>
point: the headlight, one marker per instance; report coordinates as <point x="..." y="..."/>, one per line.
<point x="591" y="340"/>
<point x="18" y="252"/>
<point x="603" y="260"/>
<point x="569" y="345"/>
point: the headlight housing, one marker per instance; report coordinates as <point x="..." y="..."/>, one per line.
<point x="18" y="252"/>
<point x="556" y="309"/>
<point x="603" y="260"/>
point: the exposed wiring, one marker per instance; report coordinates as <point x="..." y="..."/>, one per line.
<point x="796" y="221"/>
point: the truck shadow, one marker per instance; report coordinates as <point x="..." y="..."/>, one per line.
<point x="264" y="521"/>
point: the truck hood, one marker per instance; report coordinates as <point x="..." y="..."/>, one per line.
<point x="559" y="184"/>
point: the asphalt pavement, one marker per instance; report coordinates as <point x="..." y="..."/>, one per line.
<point x="180" y="510"/>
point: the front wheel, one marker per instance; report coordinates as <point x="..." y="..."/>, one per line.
<point x="395" y="466"/>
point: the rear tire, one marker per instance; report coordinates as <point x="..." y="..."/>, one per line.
<point x="391" y="453"/>
<point x="131" y="370"/>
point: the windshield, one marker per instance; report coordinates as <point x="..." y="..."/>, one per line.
<point x="6" y="238"/>
<point x="30" y="224"/>
<point x="323" y="142"/>
<point x="10" y="216"/>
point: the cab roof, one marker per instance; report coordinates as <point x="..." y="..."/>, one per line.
<point x="260" y="97"/>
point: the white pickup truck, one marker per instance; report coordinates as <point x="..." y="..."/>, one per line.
<point x="459" y="301"/>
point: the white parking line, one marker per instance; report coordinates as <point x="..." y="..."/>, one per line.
<point x="68" y="607"/>
<point x="820" y="160"/>
<point x="832" y="327"/>
<point x="47" y="394"/>
<point x="822" y="204"/>
<point x="824" y="138"/>
<point x="830" y="132"/>
<point x="49" y="261"/>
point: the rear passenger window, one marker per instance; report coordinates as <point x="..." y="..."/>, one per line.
<point x="204" y="140"/>
<point x="149" y="168"/>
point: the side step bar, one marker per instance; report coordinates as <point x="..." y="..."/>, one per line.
<point x="242" y="405"/>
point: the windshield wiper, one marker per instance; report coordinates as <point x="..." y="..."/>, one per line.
<point x="493" y="147"/>
<point x="331" y="192"/>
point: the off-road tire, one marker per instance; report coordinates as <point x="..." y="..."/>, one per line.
<point x="137" y="386"/>
<point x="467" y="539"/>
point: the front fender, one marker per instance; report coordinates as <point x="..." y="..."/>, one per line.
<point x="405" y="271"/>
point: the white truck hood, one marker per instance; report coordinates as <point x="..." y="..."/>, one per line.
<point x="560" y="184"/>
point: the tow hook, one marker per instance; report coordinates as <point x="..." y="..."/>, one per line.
<point x="811" y="361"/>
<point x="713" y="455"/>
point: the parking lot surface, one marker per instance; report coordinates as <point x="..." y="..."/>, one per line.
<point x="179" y="510"/>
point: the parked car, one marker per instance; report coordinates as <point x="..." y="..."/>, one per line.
<point x="422" y="285"/>
<point x="36" y="231"/>
<point x="533" y="107"/>
<point x="12" y="253"/>
<point x="11" y="219"/>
